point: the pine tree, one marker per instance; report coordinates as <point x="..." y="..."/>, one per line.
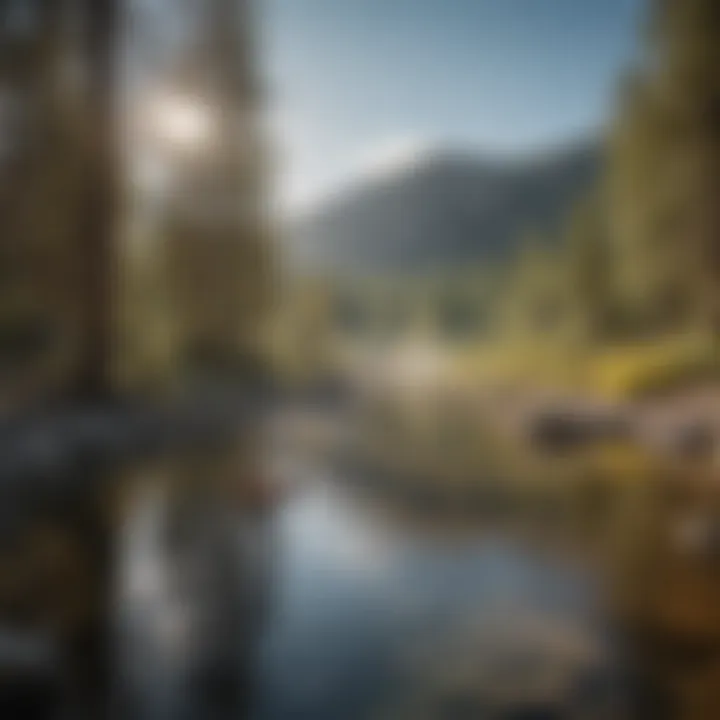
<point x="665" y="170"/>
<point x="591" y="282"/>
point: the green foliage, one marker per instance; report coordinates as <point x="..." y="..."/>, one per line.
<point x="665" y="169"/>
<point x="302" y="330"/>
<point x="656" y="368"/>
<point x="640" y="257"/>
<point x="590" y="272"/>
<point x="537" y="304"/>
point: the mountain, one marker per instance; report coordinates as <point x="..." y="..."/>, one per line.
<point x="447" y="208"/>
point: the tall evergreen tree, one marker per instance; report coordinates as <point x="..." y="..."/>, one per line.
<point x="590" y="277"/>
<point x="665" y="169"/>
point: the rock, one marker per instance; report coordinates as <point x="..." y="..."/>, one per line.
<point x="695" y="441"/>
<point x="558" y="431"/>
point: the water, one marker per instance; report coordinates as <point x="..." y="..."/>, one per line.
<point x="376" y="615"/>
<point x="353" y="601"/>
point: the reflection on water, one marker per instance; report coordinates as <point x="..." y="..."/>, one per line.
<point x="193" y="583"/>
<point x="567" y="595"/>
<point x="376" y="617"/>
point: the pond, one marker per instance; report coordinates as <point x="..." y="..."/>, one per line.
<point x="362" y="596"/>
<point x="378" y="616"/>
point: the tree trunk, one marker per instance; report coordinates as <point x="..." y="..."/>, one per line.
<point x="98" y="257"/>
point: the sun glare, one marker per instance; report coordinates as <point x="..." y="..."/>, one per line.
<point x="184" y="121"/>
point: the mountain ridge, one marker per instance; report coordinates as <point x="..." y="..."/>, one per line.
<point x="449" y="208"/>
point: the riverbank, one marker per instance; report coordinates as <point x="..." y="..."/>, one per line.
<point x="682" y="424"/>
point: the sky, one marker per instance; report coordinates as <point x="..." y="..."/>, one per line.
<point x="363" y="86"/>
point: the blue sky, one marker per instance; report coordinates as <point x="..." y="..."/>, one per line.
<point x="361" y="84"/>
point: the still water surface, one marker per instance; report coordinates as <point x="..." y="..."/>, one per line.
<point x="377" y="616"/>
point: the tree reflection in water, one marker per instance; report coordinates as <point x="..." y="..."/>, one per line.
<point x="592" y="593"/>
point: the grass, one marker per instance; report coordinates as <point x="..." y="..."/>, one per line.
<point x="632" y="372"/>
<point x="616" y="372"/>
